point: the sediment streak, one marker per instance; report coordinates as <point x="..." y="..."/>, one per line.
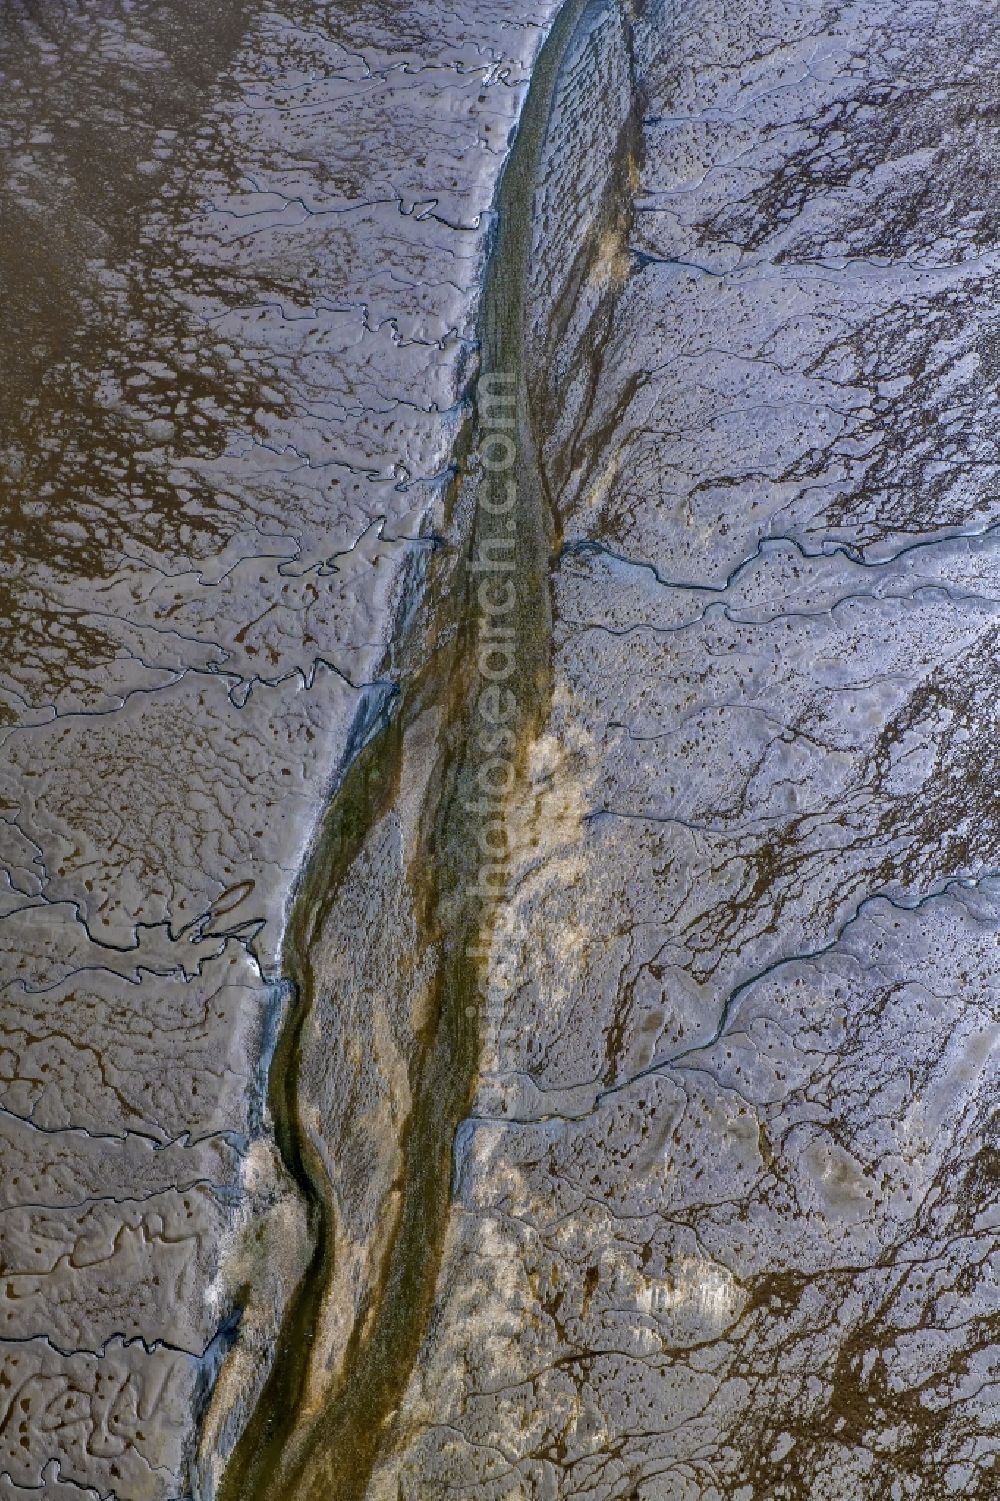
<point x="336" y="1382"/>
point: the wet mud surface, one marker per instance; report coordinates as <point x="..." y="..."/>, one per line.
<point x="685" y="1187"/>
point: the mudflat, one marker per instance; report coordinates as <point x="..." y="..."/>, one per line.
<point x="502" y="891"/>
